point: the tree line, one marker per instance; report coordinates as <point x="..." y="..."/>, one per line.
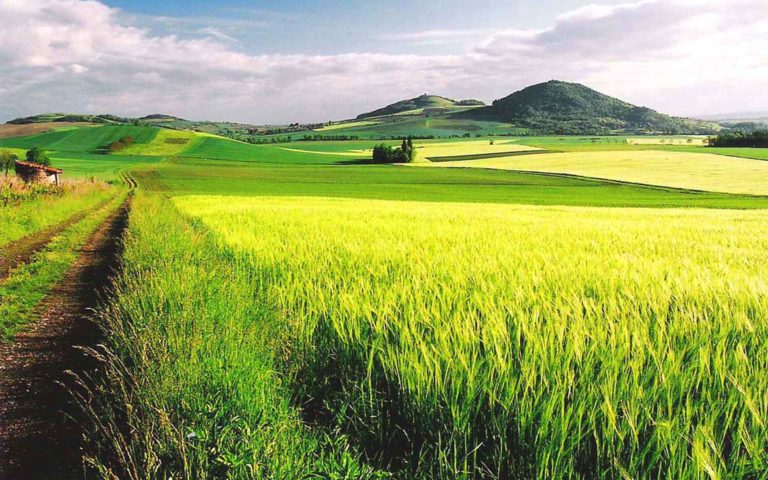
<point x="754" y="139"/>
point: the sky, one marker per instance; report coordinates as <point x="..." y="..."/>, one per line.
<point x="318" y="60"/>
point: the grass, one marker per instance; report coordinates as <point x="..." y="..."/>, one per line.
<point x="458" y="149"/>
<point x="695" y="171"/>
<point x="223" y="149"/>
<point x="620" y="143"/>
<point x="281" y="315"/>
<point x="81" y="152"/>
<point x="165" y="143"/>
<point x="82" y="140"/>
<point x="698" y="141"/>
<point x="340" y="126"/>
<point x="28" y="285"/>
<point x="194" y="391"/>
<point x="17" y="221"/>
<point x="196" y="176"/>
<point x="105" y="167"/>
<point x="464" y="340"/>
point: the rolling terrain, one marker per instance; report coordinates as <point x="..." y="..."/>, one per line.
<point x="557" y="307"/>
<point x="551" y="108"/>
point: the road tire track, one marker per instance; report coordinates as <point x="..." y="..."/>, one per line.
<point x="21" y="251"/>
<point x="40" y="437"/>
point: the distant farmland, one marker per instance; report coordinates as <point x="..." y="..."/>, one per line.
<point x="695" y="171"/>
<point x="9" y="130"/>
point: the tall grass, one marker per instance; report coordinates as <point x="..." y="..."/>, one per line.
<point x="190" y="389"/>
<point x="458" y="341"/>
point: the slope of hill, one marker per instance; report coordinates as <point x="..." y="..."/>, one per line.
<point x="557" y="107"/>
<point x="68" y="118"/>
<point x="440" y="104"/>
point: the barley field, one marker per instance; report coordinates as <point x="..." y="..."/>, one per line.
<point x="464" y="340"/>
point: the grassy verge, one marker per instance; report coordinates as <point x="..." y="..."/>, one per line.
<point x="191" y="390"/>
<point x="29" y="284"/>
<point x="19" y="219"/>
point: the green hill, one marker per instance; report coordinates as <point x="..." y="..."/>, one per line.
<point x="69" y="117"/>
<point x="557" y="107"/>
<point x="418" y="104"/>
<point x="86" y="140"/>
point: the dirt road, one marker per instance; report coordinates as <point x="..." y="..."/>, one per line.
<point x="39" y="433"/>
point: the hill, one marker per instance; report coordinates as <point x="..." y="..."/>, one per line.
<point x="440" y="104"/>
<point x="557" y="107"/>
<point x="68" y="118"/>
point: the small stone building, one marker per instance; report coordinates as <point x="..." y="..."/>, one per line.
<point x="34" y="172"/>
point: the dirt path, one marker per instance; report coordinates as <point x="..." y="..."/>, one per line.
<point x="39" y="438"/>
<point x="21" y="251"/>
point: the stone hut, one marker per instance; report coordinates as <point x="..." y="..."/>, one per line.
<point x="34" y="172"/>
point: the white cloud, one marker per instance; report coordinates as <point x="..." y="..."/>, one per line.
<point x="683" y="56"/>
<point x="433" y="37"/>
<point x="217" y="34"/>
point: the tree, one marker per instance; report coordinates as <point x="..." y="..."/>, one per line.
<point x="386" y="154"/>
<point x="7" y="160"/>
<point x="38" y="156"/>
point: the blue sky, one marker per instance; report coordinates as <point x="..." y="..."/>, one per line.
<point x="304" y="61"/>
<point x="336" y="27"/>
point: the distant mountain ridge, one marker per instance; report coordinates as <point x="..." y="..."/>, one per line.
<point x="418" y="103"/>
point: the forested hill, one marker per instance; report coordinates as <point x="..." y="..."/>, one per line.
<point x="557" y="107"/>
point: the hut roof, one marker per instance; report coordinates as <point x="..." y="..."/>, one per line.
<point x="37" y="166"/>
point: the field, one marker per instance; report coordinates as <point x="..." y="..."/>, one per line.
<point x="694" y="171"/>
<point x="477" y="336"/>
<point x="166" y="142"/>
<point x="26" y="218"/>
<point x="198" y="176"/>
<point x="498" y="340"/>
<point x="26" y="286"/>
<point x="560" y="307"/>
<point x="82" y="139"/>
<point x="696" y="140"/>
<point x="339" y="126"/>
<point x="11" y="130"/>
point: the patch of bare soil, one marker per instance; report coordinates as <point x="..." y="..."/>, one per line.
<point x="40" y="436"/>
<point x="8" y="130"/>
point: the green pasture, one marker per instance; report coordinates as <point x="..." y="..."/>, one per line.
<point x="82" y="140"/>
<point x="199" y="176"/>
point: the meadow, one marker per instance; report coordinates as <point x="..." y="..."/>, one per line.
<point x="87" y="139"/>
